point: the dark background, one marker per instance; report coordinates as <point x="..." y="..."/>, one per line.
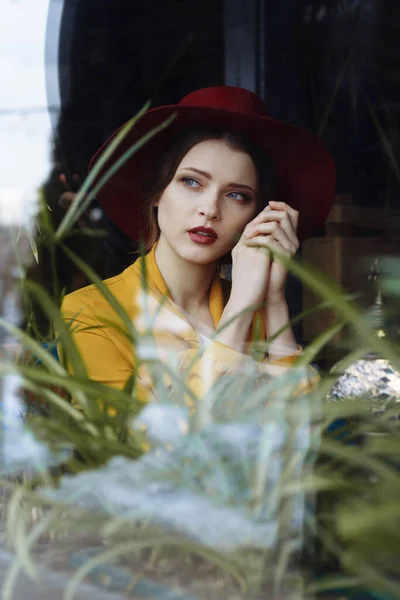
<point x="331" y="66"/>
<point x="323" y="64"/>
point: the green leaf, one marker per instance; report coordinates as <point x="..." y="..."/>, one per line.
<point x="103" y="289"/>
<point x="81" y="202"/>
<point x="36" y="348"/>
<point x="314" y="348"/>
<point x="52" y="311"/>
<point x="71" y="215"/>
<point x="347" y="310"/>
<point x="360" y="518"/>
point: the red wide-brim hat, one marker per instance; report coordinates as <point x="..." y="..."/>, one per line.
<point x="304" y="169"/>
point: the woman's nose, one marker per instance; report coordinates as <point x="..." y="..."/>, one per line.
<point x="209" y="209"/>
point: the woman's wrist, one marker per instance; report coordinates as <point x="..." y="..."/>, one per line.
<point x="277" y="317"/>
<point x="275" y="300"/>
<point x="234" y="325"/>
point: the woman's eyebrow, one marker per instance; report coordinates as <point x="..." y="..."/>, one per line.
<point x="196" y="171"/>
<point x="233" y="184"/>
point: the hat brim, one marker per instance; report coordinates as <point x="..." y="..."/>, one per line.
<point x="305" y="171"/>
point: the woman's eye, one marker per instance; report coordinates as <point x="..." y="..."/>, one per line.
<point x="239" y="196"/>
<point x="190" y="182"/>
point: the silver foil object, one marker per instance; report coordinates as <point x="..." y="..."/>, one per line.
<point x="371" y="379"/>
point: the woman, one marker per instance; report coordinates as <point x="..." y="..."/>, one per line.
<point x="200" y="194"/>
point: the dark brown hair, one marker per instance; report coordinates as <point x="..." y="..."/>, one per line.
<point x="172" y="155"/>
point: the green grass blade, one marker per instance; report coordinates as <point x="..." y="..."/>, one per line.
<point x="349" y="311"/>
<point x="353" y="456"/>
<point x="36" y="348"/>
<point x="23" y="560"/>
<point x="72" y="384"/>
<point x="110" y="172"/>
<point x="70" y="216"/>
<point x="128" y="154"/>
<point x="149" y="542"/>
<point x="53" y="398"/>
<point x="314" y="348"/>
<point x="53" y="313"/>
<point x="103" y="289"/>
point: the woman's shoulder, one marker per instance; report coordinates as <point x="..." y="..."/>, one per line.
<point x="94" y="296"/>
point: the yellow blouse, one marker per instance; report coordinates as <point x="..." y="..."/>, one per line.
<point x="109" y="354"/>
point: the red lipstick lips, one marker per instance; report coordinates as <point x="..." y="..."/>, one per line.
<point x="203" y="235"/>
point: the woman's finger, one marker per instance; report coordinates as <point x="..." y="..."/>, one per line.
<point x="265" y="228"/>
<point x="293" y="213"/>
<point x="271" y="214"/>
<point x="283" y="239"/>
<point x="279" y="243"/>
<point x="282" y="207"/>
<point x="279" y="219"/>
<point x="274" y="229"/>
<point x="247" y="230"/>
<point x="267" y="241"/>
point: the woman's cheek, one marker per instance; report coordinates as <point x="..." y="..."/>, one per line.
<point x="235" y="237"/>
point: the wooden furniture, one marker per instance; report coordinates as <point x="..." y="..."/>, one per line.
<point x="354" y="237"/>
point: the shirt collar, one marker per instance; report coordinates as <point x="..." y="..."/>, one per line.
<point x="156" y="283"/>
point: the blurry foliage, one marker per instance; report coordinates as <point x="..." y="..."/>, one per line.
<point x="255" y="454"/>
<point x="252" y="453"/>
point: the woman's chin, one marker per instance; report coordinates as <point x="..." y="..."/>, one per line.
<point x="201" y="254"/>
<point x="202" y="258"/>
<point x="197" y="253"/>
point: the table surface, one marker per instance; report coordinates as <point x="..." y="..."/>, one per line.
<point x="50" y="585"/>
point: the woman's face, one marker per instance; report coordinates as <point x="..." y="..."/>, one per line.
<point x="214" y="187"/>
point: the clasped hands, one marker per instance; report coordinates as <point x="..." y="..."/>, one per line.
<point x="275" y="229"/>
